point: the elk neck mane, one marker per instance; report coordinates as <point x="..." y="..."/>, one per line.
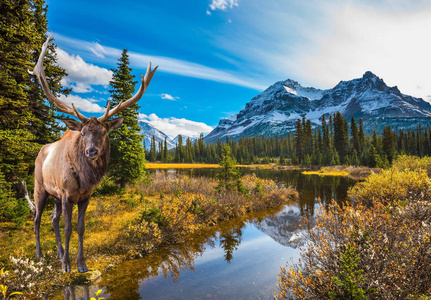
<point x="88" y="172"/>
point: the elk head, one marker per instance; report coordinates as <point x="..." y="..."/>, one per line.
<point x="93" y="130"/>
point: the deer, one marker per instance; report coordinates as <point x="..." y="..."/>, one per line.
<point x="69" y="169"/>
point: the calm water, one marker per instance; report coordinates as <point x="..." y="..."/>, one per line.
<point x="238" y="259"/>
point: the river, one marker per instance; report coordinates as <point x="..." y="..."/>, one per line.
<point x="237" y="259"/>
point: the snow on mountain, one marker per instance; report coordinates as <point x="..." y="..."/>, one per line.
<point x="149" y="131"/>
<point x="276" y="109"/>
<point x="286" y="227"/>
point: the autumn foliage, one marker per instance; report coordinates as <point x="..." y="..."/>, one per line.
<point x="376" y="247"/>
<point x="181" y="205"/>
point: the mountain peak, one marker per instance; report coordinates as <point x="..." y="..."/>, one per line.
<point x="276" y="110"/>
<point x="369" y="75"/>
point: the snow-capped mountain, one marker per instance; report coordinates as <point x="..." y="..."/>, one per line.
<point x="149" y="131"/>
<point x="277" y="108"/>
<point x="286" y="228"/>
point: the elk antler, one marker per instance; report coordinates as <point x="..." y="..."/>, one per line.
<point x="40" y="73"/>
<point x="145" y="81"/>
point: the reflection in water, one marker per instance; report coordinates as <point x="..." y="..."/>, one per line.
<point x="230" y="240"/>
<point x="171" y="261"/>
<point x="73" y="292"/>
<point x="254" y="248"/>
<point x="286" y="227"/>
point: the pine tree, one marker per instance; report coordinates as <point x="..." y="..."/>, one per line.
<point x="127" y="156"/>
<point x="165" y="152"/>
<point x="355" y="134"/>
<point x="299" y="140"/>
<point x="361" y="136"/>
<point x="26" y="120"/>
<point x="340" y="136"/>
<point x="228" y="175"/>
<point x="388" y="143"/>
<point x="152" y="156"/>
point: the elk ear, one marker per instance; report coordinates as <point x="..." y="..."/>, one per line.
<point x="73" y="124"/>
<point x="115" y="124"/>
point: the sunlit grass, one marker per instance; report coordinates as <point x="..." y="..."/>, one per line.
<point x="323" y="172"/>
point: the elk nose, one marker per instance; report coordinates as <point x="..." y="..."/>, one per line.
<point x="92" y="152"/>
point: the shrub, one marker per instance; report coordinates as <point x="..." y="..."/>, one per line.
<point x="11" y="209"/>
<point x="385" y="234"/>
<point x="392" y="185"/>
<point x="108" y="187"/>
<point x="406" y="162"/>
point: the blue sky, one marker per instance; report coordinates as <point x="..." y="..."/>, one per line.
<point x="215" y="55"/>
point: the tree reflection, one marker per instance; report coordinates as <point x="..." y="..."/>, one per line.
<point x="229" y="241"/>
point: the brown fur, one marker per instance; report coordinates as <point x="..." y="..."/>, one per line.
<point x="68" y="170"/>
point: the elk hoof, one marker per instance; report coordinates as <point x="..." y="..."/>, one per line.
<point x="82" y="269"/>
<point x="66" y="269"/>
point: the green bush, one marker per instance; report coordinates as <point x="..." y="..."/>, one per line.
<point x="11" y="209"/>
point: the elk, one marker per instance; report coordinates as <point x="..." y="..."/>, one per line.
<point x="69" y="169"/>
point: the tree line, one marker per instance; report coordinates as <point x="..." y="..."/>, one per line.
<point x="336" y="141"/>
<point x="28" y="121"/>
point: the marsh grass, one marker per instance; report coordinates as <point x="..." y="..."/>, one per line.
<point x="164" y="209"/>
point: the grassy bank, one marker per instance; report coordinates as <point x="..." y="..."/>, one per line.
<point x="165" y="209"/>
<point x="354" y="172"/>
<point x="377" y="246"/>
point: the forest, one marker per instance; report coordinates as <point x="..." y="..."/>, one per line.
<point x="334" y="142"/>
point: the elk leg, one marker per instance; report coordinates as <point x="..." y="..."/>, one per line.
<point x="67" y="217"/>
<point x="55" y="219"/>
<point x="82" y="207"/>
<point x="40" y="197"/>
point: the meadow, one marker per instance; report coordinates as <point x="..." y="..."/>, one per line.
<point x="127" y="224"/>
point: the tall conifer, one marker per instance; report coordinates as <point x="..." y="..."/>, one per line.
<point x="127" y="154"/>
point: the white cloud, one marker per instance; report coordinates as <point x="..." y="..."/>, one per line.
<point x="394" y="46"/>
<point x="98" y="50"/>
<point x="167" y="65"/>
<point x="173" y="126"/>
<point x="82" y="75"/>
<point x="223" y="4"/>
<point x="190" y="69"/>
<point x="169" y="97"/>
<point x="83" y="105"/>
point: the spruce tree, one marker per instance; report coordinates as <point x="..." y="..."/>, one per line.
<point x="388" y="143"/>
<point x="26" y="119"/>
<point x="355" y="134"/>
<point x="340" y="136"/>
<point x="228" y="175"/>
<point x="127" y="154"/>
<point x="165" y="152"/>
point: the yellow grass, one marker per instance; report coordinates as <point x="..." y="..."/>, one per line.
<point x="326" y="173"/>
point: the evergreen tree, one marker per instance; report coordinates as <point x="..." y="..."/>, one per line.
<point x="340" y="136"/>
<point x="127" y="156"/>
<point x="228" y="175"/>
<point x="152" y="156"/>
<point x="298" y="140"/>
<point x="388" y="143"/>
<point x="355" y="135"/>
<point x="165" y="152"/>
<point x="26" y="119"/>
